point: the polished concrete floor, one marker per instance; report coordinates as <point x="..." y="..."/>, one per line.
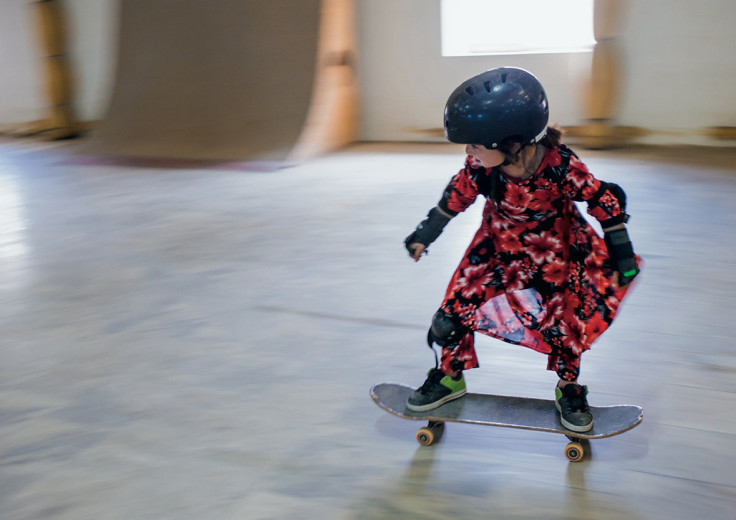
<point x="198" y="343"/>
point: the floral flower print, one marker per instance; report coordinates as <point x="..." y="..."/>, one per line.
<point x="533" y="238"/>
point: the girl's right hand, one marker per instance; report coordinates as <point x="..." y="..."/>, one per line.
<point x="417" y="250"/>
<point x="426" y="232"/>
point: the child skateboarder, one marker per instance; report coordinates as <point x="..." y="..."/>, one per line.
<point x="536" y="273"/>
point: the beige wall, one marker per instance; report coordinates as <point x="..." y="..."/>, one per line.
<point x="678" y="76"/>
<point x="680" y="66"/>
<point x="21" y="89"/>
<point x="405" y="80"/>
<point x="93" y="48"/>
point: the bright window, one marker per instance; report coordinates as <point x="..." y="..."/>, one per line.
<point x="475" y="27"/>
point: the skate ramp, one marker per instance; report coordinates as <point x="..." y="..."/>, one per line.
<point x="229" y="80"/>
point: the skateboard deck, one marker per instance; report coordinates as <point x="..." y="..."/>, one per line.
<point x="508" y="412"/>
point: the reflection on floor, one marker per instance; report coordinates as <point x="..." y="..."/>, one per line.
<point x="199" y="343"/>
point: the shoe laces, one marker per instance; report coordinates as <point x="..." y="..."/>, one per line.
<point x="575" y="398"/>
<point x="435" y="376"/>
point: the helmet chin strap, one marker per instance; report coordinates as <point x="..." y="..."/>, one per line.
<point x="541" y="136"/>
<point x="518" y="157"/>
<point x="506" y="153"/>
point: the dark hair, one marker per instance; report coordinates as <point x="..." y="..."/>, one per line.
<point x="553" y="138"/>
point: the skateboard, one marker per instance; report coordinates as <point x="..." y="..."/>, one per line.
<point x="509" y="412"/>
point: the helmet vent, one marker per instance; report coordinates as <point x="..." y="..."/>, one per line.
<point x="470" y="90"/>
<point x="487" y="84"/>
<point x="503" y="78"/>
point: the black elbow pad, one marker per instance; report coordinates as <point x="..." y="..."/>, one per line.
<point x="618" y="192"/>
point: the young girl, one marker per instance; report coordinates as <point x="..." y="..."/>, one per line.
<point x="536" y="273"/>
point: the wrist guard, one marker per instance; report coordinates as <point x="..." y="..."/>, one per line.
<point x="428" y="229"/>
<point x="621" y="252"/>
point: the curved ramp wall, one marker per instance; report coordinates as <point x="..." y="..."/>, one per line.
<point x="231" y="80"/>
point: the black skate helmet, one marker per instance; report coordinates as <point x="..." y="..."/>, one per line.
<point x="503" y="103"/>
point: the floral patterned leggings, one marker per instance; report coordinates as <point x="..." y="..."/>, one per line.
<point x="462" y="356"/>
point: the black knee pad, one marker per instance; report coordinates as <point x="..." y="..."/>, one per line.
<point x="446" y="329"/>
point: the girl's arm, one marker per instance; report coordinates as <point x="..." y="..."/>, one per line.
<point x="459" y="194"/>
<point x="607" y="203"/>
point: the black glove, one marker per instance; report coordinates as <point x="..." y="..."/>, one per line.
<point x="621" y="252"/>
<point x="428" y="229"/>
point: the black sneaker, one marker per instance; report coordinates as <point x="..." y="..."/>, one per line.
<point x="438" y="389"/>
<point x="573" y="407"/>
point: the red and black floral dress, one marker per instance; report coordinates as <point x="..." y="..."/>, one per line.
<point x="536" y="273"/>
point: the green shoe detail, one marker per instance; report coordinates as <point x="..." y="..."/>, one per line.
<point x="453" y="385"/>
<point x="438" y="389"/>
<point x="573" y="406"/>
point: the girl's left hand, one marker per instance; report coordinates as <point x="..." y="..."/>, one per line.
<point x="617" y="280"/>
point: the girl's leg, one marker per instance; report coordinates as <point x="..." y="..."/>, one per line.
<point x="459" y="357"/>
<point x="446" y="383"/>
<point x="570" y="398"/>
<point x="565" y="363"/>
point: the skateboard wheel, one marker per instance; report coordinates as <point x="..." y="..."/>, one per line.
<point x="425" y="437"/>
<point x="430" y="434"/>
<point x="574" y="452"/>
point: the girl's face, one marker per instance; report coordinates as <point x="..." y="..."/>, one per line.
<point x="489" y="158"/>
